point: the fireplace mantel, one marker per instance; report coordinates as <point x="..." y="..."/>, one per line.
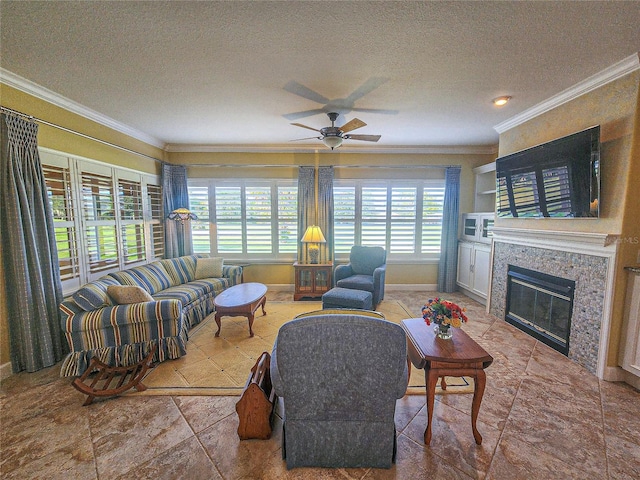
<point x="588" y="243"/>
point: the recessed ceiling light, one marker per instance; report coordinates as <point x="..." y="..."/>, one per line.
<point x="500" y="101"/>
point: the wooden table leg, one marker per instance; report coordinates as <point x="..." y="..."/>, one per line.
<point x="480" y="379"/>
<point x="251" y="314"/>
<point x="217" y="317"/>
<point x="431" y="378"/>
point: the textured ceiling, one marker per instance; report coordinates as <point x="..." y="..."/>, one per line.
<point x="237" y="72"/>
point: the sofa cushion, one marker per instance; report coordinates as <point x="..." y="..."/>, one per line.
<point x="189" y="292"/>
<point x="209" y="267"/>
<point x="94" y="295"/>
<point x="125" y="294"/>
<point x="153" y="276"/>
<point x="180" y="269"/>
<point x="357" y="282"/>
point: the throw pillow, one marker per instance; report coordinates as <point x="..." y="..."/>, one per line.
<point x="209" y="267"/>
<point x="125" y="294"/>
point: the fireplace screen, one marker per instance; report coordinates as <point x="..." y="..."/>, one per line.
<point x="540" y="305"/>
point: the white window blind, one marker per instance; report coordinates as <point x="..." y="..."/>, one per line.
<point x="58" y="181"/>
<point x="156" y="221"/>
<point x="252" y="218"/>
<point x="101" y="221"/>
<point x="98" y="207"/>
<point x="131" y="221"/>
<point x="404" y="217"/>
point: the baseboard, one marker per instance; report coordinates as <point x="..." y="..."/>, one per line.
<point x="414" y="287"/>
<point x="470" y="294"/>
<point x="281" y="287"/>
<point x="5" y="371"/>
<point x="418" y="287"/>
<point x="617" y="374"/>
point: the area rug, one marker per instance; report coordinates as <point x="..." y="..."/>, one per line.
<point x="221" y="366"/>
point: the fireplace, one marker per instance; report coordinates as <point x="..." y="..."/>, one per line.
<point x="540" y="305"/>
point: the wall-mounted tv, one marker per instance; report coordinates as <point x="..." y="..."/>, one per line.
<point x="558" y="179"/>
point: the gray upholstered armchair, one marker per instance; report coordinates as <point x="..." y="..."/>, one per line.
<point x="365" y="271"/>
<point x="339" y="376"/>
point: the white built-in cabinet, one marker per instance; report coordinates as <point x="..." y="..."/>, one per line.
<point x="474" y="269"/>
<point x="630" y="343"/>
<point x="475" y="233"/>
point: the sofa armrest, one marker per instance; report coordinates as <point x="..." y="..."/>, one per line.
<point x="341" y="272"/>
<point x="233" y="272"/>
<point x="76" y="321"/>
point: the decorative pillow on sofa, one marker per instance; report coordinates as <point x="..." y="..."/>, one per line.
<point x="93" y="295"/>
<point x="125" y="294"/>
<point x="209" y="267"/>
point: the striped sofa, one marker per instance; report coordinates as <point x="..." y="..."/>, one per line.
<point x="124" y="334"/>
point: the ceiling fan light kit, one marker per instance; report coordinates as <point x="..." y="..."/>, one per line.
<point x="333" y="136"/>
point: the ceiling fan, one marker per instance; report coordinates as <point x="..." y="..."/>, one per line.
<point x="333" y="136"/>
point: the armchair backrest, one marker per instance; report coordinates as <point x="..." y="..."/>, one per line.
<point x="339" y="376"/>
<point x="364" y="260"/>
<point x="341" y="367"/>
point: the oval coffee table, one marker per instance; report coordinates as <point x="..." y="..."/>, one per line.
<point x="241" y="301"/>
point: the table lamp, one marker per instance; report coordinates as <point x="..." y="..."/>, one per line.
<point x="313" y="237"/>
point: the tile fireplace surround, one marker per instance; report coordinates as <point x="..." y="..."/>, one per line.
<point x="587" y="258"/>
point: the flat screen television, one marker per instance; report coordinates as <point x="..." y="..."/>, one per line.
<point x="558" y="179"/>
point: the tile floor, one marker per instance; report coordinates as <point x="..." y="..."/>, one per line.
<point x="542" y="417"/>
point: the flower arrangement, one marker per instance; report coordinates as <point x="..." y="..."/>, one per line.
<point x="443" y="312"/>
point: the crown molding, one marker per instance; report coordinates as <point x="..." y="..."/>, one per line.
<point x="608" y="75"/>
<point x="397" y="150"/>
<point x="27" y="86"/>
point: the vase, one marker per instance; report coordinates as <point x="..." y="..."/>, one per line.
<point x="444" y="331"/>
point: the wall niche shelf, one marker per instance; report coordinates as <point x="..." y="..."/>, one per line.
<point x="485" y="188"/>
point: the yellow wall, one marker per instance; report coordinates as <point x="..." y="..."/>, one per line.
<point x="616" y="108"/>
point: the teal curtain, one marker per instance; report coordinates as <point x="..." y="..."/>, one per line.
<point x="325" y="212"/>
<point x="177" y="235"/>
<point x="306" y="207"/>
<point x="448" y="266"/>
<point x="29" y="254"/>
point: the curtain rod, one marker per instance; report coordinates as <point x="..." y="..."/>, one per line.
<point x="104" y="142"/>
<point x="226" y="165"/>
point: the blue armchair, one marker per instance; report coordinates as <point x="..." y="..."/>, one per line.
<point x="365" y="271"/>
<point x="339" y="376"/>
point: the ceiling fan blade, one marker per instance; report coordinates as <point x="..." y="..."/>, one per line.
<point x="304" y="126"/>
<point x="366" y="87"/>
<point x="305" y="92"/>
<point x="376" y="110"/>
<point x="366" y="138"/>
<point x="307" y="138"/>
<point x="306" y="113"/>
<point x="352" y="125"/>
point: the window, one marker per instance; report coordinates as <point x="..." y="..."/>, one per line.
<point x="404" y="217"/>
<point x="100" y="219"/>
<point x="248" y="218"/>
<point x="58" y="180"/>
<point x="131" y="221"/>
<point x="156" y="221"/>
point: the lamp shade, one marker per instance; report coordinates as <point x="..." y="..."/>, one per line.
<point x="182" y="214"/>
<point x="313" y="235"/>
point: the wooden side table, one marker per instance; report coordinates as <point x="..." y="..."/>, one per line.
<point x="312" y="280"/>
<point x="458" y="357"/>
